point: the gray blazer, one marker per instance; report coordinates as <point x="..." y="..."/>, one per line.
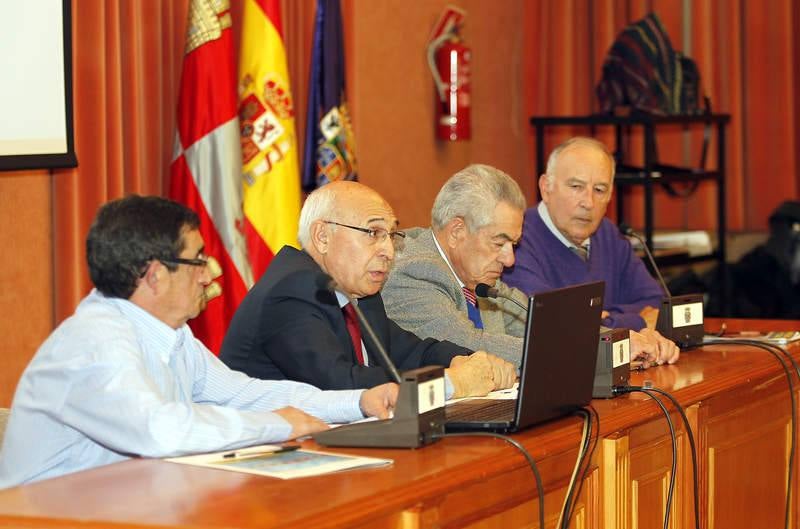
<point x="422" y="296"/>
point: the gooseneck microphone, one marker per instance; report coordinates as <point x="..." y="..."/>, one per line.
<point x="419" y="415"/>
<point x="326" y="282"/>
<point x="482" y="290"/>
<point x="630" y="232"/>
<point x="680" y="318"/>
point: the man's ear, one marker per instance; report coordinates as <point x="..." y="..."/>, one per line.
<point x="152" y="276"/>
<point x="320" y="236"/>
<point x="456" y="230"/>
<point x="544" y="191"/>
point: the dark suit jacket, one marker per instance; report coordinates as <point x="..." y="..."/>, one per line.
<point x="289" y="326"/>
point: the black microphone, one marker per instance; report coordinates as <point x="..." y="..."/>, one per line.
<point x="419" y="415"/>
<point x="482" y="290"/>
<point x="627" y="230"/>
<point x="326" y="282"/>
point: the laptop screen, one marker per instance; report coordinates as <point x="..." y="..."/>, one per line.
<point x="560" y="352"/>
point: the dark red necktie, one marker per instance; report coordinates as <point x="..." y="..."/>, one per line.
<point x="351" y="320"/>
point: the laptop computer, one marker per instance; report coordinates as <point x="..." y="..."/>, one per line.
<point x="558" y="363"/>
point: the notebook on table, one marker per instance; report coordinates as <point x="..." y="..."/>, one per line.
<point x="558" y="363"/>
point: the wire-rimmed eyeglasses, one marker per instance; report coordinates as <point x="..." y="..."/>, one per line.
<point x="377" y="234"/>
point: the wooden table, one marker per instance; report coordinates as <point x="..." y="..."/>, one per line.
<point x="736" y="399"/>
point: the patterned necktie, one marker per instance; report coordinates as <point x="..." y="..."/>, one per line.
<point x="582" y="252"/>
<point x="472" y="308"/>
<point x="351" y="320"/>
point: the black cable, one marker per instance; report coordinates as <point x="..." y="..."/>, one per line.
<point x="671" y="490"/>
<point x="758" y="343"/>
<point x="576" y="472"/>
<point x="588" y="460"/>
<point x="692" y="445"/>
<point x="771" y="349"/>
<point x="571" y="499"/>
<point x="515" y="444"/>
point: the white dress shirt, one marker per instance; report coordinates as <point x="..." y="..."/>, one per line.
<point x="113" y="381"/>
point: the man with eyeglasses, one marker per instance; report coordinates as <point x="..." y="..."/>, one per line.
<point x="476" y="221"/>
<point x="125" y="377"/>
<point x="296" y="323"/>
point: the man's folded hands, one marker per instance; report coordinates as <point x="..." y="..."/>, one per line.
<point x="479" y="373"/>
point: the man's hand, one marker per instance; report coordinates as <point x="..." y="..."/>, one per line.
<point x="379" y="401"/>
<point x="504" y="373"/>
<point x="301" y="422"/>
<point x="472" y="376"/>
<point x="652" y="348"/>
<point x="650" y="316"/>
<point x="643" y="350"/>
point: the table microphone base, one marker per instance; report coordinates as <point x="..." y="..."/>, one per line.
<point x="613" y="363"/>
<point x="419" y="416"/>
<point x="681" y="320"/>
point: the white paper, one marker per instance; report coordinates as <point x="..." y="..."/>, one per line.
<point x="284" y="465"/>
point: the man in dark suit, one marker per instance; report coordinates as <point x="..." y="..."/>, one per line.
<point x="296" y="324"/>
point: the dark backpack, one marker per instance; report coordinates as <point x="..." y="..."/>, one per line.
<point x="642" y="71"/>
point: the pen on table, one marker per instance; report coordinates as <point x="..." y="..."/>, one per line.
<point x="281" y="450"/>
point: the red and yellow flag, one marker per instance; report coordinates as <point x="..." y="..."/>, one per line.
<point x="271" y="175"/>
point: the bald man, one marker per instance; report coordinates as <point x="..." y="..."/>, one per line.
<point x="567" y="239"/>
<point x="292" y="325"/>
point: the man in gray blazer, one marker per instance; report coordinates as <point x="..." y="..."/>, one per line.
<point x="476" y="221"/>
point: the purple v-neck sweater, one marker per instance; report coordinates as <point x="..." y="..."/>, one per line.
<point x="543" y="263"/>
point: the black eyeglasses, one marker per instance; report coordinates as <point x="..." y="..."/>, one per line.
<point x="199" y="261"/>
<point x="376" y="234"/>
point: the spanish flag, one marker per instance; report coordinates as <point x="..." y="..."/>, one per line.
<point x="271" y="176"/>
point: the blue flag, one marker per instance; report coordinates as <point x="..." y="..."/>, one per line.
<point x="330" y="145"/>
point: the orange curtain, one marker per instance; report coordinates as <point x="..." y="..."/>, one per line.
<point x="126" y="66"/>
<point x="747" y="52"/>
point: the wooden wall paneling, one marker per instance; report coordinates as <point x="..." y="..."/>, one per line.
<point x="526" y="514"/>
<point x="650" y="463"/>
<point x="746" y="433"/>
<point x="636" y="470"/>
<point x="510" y="499"/>
<point x="615" y="482"/>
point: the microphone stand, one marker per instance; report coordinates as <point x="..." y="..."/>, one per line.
<point x="686" y="331"/>
<point x="419" y="415"/>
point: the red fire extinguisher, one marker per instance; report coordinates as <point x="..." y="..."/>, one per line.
<point x="449" y="60"/>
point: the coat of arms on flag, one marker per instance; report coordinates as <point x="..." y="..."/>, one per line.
<point x="270" y="172"/>
<point x="260" y="123"/>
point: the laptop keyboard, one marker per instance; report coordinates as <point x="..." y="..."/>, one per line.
<point x="481" y="411"/>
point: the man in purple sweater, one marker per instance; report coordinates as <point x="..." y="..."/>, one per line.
<point x="567" y="240"/>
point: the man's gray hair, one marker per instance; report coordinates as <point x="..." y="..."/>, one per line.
<point x="472" y="194"/>
<point x="577" y="141"/>
<point x="319" y="205"/>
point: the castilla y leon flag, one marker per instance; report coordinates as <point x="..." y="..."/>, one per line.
<point x="330" y="144"/>
<point x="207" y="161"/>
<point x="269" y="142"/>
